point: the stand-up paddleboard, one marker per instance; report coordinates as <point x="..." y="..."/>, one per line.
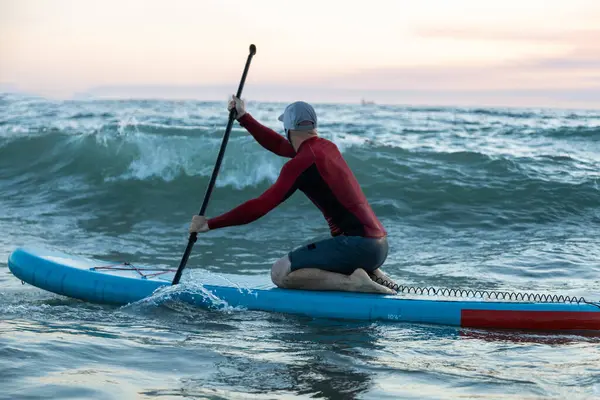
<point x="104" y="282"/>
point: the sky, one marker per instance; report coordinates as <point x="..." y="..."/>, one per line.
<point x="533" y="53"/>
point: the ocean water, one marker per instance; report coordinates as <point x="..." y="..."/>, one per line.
<point x="495" y="199"/>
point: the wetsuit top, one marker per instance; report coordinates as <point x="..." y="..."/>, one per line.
<point x="320" y="172"/>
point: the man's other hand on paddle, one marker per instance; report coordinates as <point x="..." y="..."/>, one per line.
<point x="199" y="224"/>
<point x="239" y="105"/>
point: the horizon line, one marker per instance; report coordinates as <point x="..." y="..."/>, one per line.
<point x="580" y="99"/>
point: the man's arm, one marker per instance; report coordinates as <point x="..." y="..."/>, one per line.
<point x="253" y="209"/>
<point x="266" y="137"/>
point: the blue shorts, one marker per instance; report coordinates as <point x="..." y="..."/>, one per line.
<point x="341" y="254"/>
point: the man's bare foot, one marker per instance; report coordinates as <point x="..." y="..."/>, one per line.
<point x="360" y="282"/>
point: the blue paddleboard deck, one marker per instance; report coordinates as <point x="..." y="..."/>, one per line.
<point x="119" y="284"/>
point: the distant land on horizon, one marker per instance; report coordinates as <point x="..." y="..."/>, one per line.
<point x="536" y="98"/>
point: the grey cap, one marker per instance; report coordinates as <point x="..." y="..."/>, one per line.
<point x="299" y="116"/>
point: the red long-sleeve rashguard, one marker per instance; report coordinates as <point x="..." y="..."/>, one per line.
<point x="320" y="172"/>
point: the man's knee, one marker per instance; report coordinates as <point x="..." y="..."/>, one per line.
<point x="280" y="270"/>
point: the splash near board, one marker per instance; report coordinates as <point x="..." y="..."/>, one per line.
<point x="119" y="284"/>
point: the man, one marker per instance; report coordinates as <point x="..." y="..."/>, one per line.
<point x="358" y="246"/>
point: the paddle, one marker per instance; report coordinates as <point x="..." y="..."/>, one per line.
<point x="215" y="172"/>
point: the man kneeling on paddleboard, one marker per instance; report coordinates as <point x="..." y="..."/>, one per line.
<point x="358" y="246"/>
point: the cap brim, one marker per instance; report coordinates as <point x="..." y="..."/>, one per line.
<point x="280" y="118"/>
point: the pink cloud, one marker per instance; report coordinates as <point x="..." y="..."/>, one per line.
<point x="575" y="37"/>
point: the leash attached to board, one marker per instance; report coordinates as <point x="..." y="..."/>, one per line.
<point x="213" y="178"/>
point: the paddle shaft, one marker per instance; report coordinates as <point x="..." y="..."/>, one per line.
<point x="213" y="178"/>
